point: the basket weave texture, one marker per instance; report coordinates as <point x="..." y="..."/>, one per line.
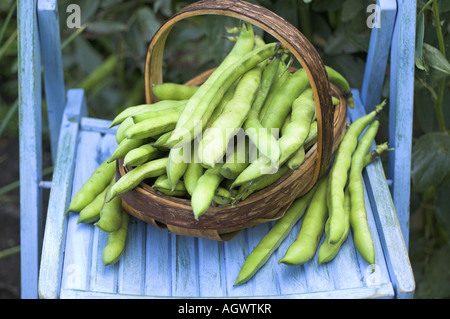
<point x="222" y="223"/>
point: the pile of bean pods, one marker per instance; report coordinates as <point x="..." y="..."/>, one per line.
<point x="180" y="145"/>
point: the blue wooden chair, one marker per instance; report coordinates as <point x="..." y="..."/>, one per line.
<point x="64" y="260"/>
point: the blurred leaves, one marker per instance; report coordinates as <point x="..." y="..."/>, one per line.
<point x="431" y="164"/>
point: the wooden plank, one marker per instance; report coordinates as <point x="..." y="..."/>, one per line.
<point x="132" y="266"/>
<point x="401" y="111"/>
<point x="184" y="266"/>
<point x="30" y="147"/>
<point x="60" y="194"/>
<point x="79" y="238"/>
<point x="55" y="92"/>
<point x="377" y="56"/>
<point x="158" y="260"/>
<point x="211" y="263"/>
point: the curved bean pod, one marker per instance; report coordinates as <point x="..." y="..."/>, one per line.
<point x="185" y="131"/>
<point x="95" y="184"/>
<point x="274" y="237"/>
<point x="115" y="242"/>
<point x="173" y="91"/>
<point x="358" y="217"/>
<point x="205" y="190"/>
<point x="141" y="155"/>
<point x="305" y="245"/>
<point x="214" y="143"/>
<point x="339" y="173"/>
<point x="135" y="176"/>
<point x="200" y="101"/>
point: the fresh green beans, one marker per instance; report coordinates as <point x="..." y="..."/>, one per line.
<point x="153" y="126"/>
<point x="91" y="213"/>
<point x="340" y="81"/>
<point x="162" y="184"/>
<point x="141" y="155"/>
<point x="307" y="241"/>
<point x="297" y="130"/>
<point x="115" y="242"/>
<point x="193" y="172"/>
<point x="205" y="190"/>
<point x="214" y="143"/>
<point x="339" y="173"/>
<point x="125" y="146"/>
<point x="328" y="251"/>
<point x="135" y="176"/>
<point x="199" y="102"/>
<point x="185" y="131"/>
<point x="173" y="91"/>
<point x="263" y="138"/>
<point x="95" y="184"/>
<point x="110" y="215"/>
<point x="358" y="217"/>
<point x="158" y="112"/>
<point x="281" y="104"/>
<point x="260" y="183"/>
<point x="272" y="240"/>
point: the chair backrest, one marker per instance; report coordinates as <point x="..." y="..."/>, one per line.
<point x="39" y="46"/>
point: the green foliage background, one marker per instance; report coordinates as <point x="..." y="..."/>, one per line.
<point x="106" y="57"/>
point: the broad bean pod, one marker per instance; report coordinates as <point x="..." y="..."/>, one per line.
<point x="95" y="184"/>
<point x="305" y="245"/>
<point x="135" y="176"/>
<point x="116" y="241"/>
<point x="358" y="216"/>
<point x="274" y="237"/>
<point x="339" y="173"/>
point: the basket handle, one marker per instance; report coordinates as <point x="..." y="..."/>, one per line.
<point x="290" y="37"/>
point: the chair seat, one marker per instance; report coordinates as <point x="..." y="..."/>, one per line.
<point x="159" y="264"/>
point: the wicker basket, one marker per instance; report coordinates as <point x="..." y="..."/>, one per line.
<point x="224" y="222"/>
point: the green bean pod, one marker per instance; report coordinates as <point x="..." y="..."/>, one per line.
<point x="110" y="215"/>
<point x="199" y="102"/>
<point x="281" y="104"/>
<point x="185" y="131"/>
<point x="159" y="113"/>
<point x="222" y="196"/>
<point x="297" y="158"/>
<point x="328" y="251"/>
<point x="296" y="132"/>
<point x="141" y="155"/>
<point x="274" y="237"/>
<point x="125" y="146"/>
<point x="260" y="183"/>
<point x="135" y="176"/>
<point x="305" y="245"/>
<point x="153" y="126"/>
<point x="162" y="184"/>
<point x="205" y="190"/>
<point x="214" y="143"/>
<point x="95" y="184"/>
<point x="127" y="113"/>
<point x="279" y="79"/>
<point x="161" y="141"/>
<point x="340" y="81"/>
<point x="120" y="133"/>
<point x="173" y="91"/>
<point x="193" y="172"/>
<point x="358" y="216"/>
<point x="240" y="160"/>
<point x="339" y="173"/>
<point x="177" y="164"/>
<point x="91" y="213"/>
<point x="115" y="242"/>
